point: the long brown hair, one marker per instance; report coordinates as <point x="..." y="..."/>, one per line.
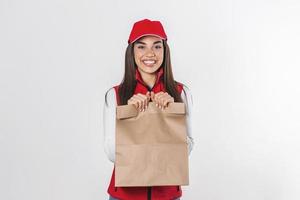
<point x="128" y="84"/>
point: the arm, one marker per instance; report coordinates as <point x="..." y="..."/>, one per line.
<point x="188" y="100"/>
<point x="109" y="123"/>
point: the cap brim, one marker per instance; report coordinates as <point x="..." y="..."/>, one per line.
<point x="148" y="34"/>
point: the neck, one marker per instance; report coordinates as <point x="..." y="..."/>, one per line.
<point x="149" y="79"/>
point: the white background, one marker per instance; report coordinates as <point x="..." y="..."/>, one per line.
<point x="240" y="59"/>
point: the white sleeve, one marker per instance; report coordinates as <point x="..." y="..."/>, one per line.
<point x="188" y="100"/>
<point x="109" y="123"/>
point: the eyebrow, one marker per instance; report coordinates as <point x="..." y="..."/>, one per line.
<point x="139" y="42"/>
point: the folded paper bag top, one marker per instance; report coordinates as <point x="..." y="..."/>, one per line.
<point x="128" y="111"/>
<point x="151" y="146"/>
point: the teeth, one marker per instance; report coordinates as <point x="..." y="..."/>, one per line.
<point x="148" y="62"/>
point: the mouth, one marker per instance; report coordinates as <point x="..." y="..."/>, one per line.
<point x="149" y="63"/>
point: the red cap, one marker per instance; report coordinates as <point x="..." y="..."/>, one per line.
<point x="146" y="27"/>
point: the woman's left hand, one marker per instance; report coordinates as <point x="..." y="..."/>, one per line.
<point x="161" y="99"/>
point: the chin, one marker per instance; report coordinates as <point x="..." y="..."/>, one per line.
<point x="150" y="71"/>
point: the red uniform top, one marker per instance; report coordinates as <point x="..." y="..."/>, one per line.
<point x="145" y="193"/>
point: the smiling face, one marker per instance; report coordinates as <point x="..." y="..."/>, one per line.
<point x="148" y="54"/>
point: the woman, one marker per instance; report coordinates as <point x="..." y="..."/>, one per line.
<point x="148" y="77"/>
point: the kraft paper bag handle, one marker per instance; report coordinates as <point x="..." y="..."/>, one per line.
<point x="129" y="111"/>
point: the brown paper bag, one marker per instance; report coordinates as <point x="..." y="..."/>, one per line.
<point x="151" y="146"/>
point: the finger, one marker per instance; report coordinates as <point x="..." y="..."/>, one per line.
<point x="133" y="102"/>
<point x="148" y="95"/>
<point x="161" y="98"/>
<point x="152" y="95"/>
<point x="167" y="101"/>
<point x="158" y="95"/>
<point x="164" y="103"/>
<point x="172" y="101"/>
<point x="144" y="101"/>
<point x="143" y="96"/>
<point x="157" y="98"/>
<point x="141" y="102"/>
<point x="148" y="99"/>
<point x="136" y="102"/>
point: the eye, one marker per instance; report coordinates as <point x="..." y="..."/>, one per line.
<point x="140" y="47"/>
<point x="158" y="47"/>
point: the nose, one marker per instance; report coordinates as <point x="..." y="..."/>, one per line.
<point x="150" y="53"/>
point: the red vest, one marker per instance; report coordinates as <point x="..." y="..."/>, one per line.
<point x="143" y="193"/>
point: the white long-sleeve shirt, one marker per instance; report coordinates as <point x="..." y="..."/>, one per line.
<point x="109" y="121"/>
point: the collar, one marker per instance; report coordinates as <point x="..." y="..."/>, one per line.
<point x="159" y="74"/>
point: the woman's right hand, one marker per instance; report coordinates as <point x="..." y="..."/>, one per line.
<point x="140" y="101"/>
